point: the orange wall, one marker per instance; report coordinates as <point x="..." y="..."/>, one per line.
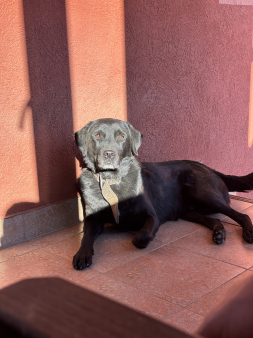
<point x="62" y="65"/>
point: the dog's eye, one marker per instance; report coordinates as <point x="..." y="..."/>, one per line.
<point x="121" y="137"/>
<point x="97" y="135"/>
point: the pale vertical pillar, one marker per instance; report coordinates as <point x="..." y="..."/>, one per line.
<point x="250" y="136"/>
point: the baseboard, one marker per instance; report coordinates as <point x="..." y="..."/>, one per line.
<point x="35" y="223"/>
<point x="240" y="198"/>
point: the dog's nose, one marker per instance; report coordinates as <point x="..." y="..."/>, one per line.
<point x="109" y="154"/>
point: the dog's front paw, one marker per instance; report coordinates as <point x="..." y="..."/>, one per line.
<point x="219" y="236"/>
<point x="247" y="235"/>
<point x="82" y="259"/>
<point x="141" y="239"/>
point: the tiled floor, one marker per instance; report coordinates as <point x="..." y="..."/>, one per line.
<point x="178" y="278"/>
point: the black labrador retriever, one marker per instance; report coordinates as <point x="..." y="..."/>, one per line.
<point x="115" y="188"/>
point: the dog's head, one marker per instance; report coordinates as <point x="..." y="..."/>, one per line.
<point x="105" y="143"/>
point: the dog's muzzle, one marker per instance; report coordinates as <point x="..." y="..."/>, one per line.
<point x="108" y="160"/>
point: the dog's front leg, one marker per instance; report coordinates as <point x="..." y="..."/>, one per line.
<point x="143" y="237"/>
<point x="83" y="257"/>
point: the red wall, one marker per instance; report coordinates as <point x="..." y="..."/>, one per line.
<point x="188" y="80"/>
<point x="63" y="64"/>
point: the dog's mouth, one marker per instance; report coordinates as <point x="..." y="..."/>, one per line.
<point x="106" y="166"/>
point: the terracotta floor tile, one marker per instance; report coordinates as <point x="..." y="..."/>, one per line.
<point x="185" y="320"/>
<point x="112" y="248"/>
<point x="203" y="305"/>
<point x="234" y="250"/>
<point x="65" y="269"/>
<point x="39" y="242"/>
<point x="173" y="275"/>
<point x="181" y="267"/>
<point x="34" y="264"/>
<point x="131" y="296"/>
<point x="25" y="266"/>
<point x="239" y="205"/>
<point x="171" y="231"/>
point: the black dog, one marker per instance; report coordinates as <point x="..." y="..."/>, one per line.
<point x="134" y="196"/>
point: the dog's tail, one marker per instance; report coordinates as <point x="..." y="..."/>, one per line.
<point x="237" y="183"/>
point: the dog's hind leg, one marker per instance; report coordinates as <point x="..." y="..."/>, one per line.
<point x="218" y="205"/>
<point x="242" y="219"/>
<point x="219" y="233"/>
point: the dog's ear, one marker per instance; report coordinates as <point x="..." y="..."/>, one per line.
<point x="136" y="139"/>
<point x="81" y="137"/>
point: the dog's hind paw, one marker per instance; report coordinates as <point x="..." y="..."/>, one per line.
<point x="141" y="239"/>
<point x="82" y="259"/>
<point x="247" y="235"/>
<point x="219" y="236"/>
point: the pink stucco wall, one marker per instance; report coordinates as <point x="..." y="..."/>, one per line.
<point x="62" y="65"/>
<point x="188" y="80"/>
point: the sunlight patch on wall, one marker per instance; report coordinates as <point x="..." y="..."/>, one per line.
<point x="18" y="169"/>
<point x="250" y="137"/>
<point x="96" y="39"/>
<point x="1" y="230"/>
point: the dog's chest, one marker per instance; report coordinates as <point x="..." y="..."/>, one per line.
<point x="125" y="191"/>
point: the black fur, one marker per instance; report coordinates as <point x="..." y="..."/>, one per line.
<point x="149" y="193"/>
<point x="237" y="183"/>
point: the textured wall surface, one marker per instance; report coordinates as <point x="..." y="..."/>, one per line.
<point x="62" y="65"/>
<point x="96" y="35"/>
<point x="188" y="80"/>
<point x="18" y="172"/>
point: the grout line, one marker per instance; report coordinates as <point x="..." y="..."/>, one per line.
<point x="242" y="199"/>
<point x="215" y="289"/>
<point x="180" y="307"/>
<point x="217" y="259"/>
<point x="46" y="245"/>
<point x="145" y="292"/>
<point x="146" y="253"/>
<point x="203" y="317"/>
